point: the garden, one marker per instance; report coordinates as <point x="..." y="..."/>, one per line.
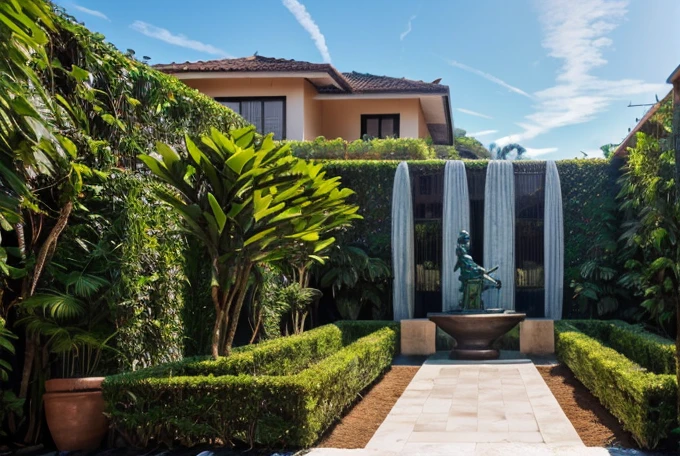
<point x="193" y="282"/>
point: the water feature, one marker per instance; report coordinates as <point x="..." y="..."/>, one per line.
<point x="474" y="327"/>
<point x="403" y="260"/>
<point x="499" y="231"/>
<point x="553" y="243"/>
<point x="456" y="217"/>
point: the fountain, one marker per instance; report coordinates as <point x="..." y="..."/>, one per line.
<point x="455" y="217"/>
<point x="403" y="260"/>
<point x="553" y="242"/>
<point x="473" y="327"/>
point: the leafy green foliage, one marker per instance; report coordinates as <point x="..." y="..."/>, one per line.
<point x="471" y="148"/>
<point x="643" y="401"/>
<point x="300" y="386"/>
<point x="651" y="228"/>
<point x="374" y="149"/>
<point x="247" y="202"/>
<point x="597" y="289"/>
<point x="148" y="266"/>
<point x="355" y="280"/>
<point x="653" y="352"/>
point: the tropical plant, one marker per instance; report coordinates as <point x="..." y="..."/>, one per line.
<point x="247" y="201"/>
<point x="355" y="280"/>
<point x="297" y="300"/>
<point x="651" y="228"/>
<point x="72" y="314"/>
<point x="597" y="290"/>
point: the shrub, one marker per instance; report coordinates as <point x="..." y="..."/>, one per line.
<point x="655" y="353"/>
<point x="296" y="387"/>
<point x="643" y="401"/>
<point x="374" y="149"/>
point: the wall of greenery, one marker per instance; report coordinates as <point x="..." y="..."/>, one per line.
<point x="588" y="187"/>
<point x="588" y="194"/>
<point x="149" y="293"/>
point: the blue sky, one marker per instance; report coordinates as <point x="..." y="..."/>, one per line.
<point x="553" y="75"/>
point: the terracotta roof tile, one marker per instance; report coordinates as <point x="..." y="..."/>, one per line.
<point x="369" y="83"/>
<point x="350" y="82"/>
<point x="252" y="63"/>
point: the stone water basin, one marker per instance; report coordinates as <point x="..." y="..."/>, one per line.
<point x="476" y="331"/>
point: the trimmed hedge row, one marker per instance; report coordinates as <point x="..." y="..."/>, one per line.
<point x="643" y="401"/>
<point x="374" y="149"/>
<point x="284" y="392"/>
<point x="653" y="352"/>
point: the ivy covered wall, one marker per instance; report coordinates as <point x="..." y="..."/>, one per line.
<point x="588" y="196"/>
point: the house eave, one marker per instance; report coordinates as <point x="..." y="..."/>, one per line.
<point x="311" y="75"/>
<point x="376" y="95"/>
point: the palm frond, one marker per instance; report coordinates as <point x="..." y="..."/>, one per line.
<point x="55" y="305"/>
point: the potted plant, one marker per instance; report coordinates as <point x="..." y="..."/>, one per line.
<point x="72" y="320"/>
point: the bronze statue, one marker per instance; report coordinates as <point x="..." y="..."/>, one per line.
<point x="474" y="278"/>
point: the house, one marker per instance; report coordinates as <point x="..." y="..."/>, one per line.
<point x="302" y="100"/>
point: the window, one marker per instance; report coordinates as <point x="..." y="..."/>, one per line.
<point x="380" y="125"/>
<point x="267" y="114"/>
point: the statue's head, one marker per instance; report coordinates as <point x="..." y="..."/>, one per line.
<point x="463" y="237"/>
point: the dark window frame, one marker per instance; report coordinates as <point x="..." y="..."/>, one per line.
<point x="366" y="117"/>
<point x="263" y="100"/>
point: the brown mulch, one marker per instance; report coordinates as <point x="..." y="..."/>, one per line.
<point x="594" y="424"/>
<point x="358" y="425"/>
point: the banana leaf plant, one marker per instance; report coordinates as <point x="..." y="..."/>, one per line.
<point x="248" y="200"/>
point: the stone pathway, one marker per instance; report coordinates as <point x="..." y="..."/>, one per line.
<point x="451" y="408"/>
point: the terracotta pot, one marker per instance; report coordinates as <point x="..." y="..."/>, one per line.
<point x="75" y="413"/>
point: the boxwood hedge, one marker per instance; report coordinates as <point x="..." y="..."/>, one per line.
<point x="653" y="352"/>
<point x="643" y="401"/>
<point x="282" y="393"/>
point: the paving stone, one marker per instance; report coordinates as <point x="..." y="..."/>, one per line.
<point x="468" y="404"/>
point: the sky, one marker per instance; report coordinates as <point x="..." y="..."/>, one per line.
<point x="556" y="76"/>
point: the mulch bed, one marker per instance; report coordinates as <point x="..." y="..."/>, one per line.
<point x="357" y="427"/>
<point x="594" y="424"/>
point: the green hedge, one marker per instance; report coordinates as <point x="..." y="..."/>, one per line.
<point x="588" y="191"/>
<point x="375" y="149"/>
<point x="588" y="188"/>
<point x="285" y="392"/>
<point x="643" y="401"/>
<point x="653" y="352"/>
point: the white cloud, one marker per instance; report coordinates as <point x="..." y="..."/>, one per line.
<point x="306" y="21"/>
<point x="482" y="133"/>
<point x="575" y="33"/>
<point x="488" y="77"/>
<point x="91" y="12"/>
<point x="533" y="153"/>
<point x="408" y="28"/>
<point x="177" y="40"/>
<point x="474" y="113"/>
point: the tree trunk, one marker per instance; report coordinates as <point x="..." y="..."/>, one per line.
<point x="215" y="346"/>
<point x="239" y="295"/>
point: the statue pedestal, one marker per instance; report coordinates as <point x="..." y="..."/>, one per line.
<point x="418" y="337"/>
<point x="537" y="336"/>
